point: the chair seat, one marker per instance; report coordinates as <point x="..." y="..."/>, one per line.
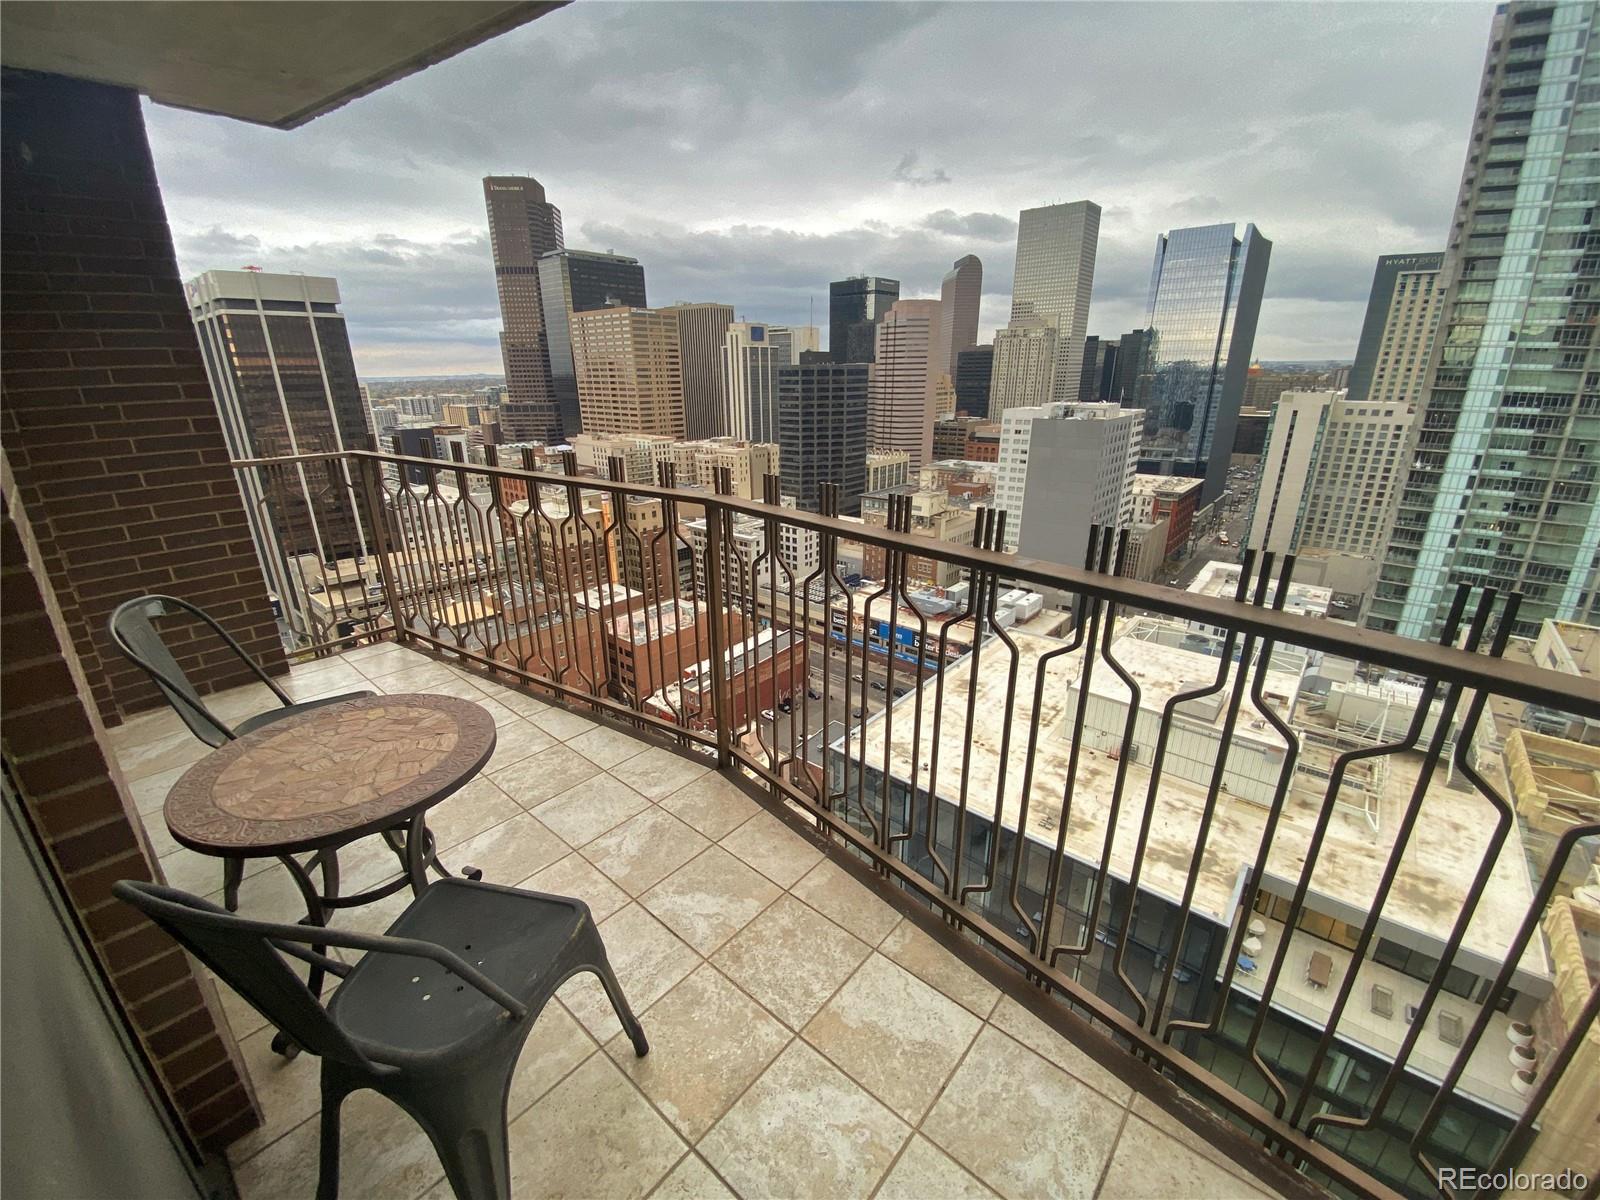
<point x="412" y="1005"/>
<point x="273" y="715"/>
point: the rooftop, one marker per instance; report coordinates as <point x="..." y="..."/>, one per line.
<point x="809" y="1038"/>
<point x="1454" y="830"/>
<point x="1582" y="645"/>
<point x="1221" y="579"/>
<point x="657" y="620"/>
<point x="1165" y="485"/>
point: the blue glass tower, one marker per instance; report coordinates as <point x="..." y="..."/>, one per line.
<point x="1205" y="298"/>
<point x="1503" y="488"/>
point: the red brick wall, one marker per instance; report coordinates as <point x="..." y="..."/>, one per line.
<point x="105" y="411"/>
<point x="54" y="748"/>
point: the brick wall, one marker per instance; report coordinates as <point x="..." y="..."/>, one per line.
<point x="105" y="411"/>
<point x="54" y="749"/>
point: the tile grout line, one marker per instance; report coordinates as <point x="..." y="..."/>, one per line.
<point x="1105" y="1168"/>
<point x="795" y="1036"/>
<point x="656" y="1186"/>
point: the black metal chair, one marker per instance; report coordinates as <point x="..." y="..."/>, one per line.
<point x="432" y="1017"/>
<point x="134" y="632"/>
<point x="132" y="628"/>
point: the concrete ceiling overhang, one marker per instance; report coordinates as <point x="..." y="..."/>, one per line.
<point x="271" y="62"/>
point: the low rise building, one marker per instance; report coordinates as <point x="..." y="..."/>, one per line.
<point x="935" y="514"/>
<point x="887" y="469"/>
<point x="1169" y="497"/>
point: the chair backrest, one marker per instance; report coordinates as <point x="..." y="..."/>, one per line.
<point x="245" y="959"/>
<point x="134" y="632"/>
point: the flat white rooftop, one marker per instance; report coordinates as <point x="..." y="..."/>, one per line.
<point x="1453" y="830"/>
<point x="1221" y="579"/>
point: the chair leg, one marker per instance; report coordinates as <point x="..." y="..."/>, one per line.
<point x="333" y="1094"/>
<point x="467" y="1127"/>
<point x="232" y="876"/>
<point x="630" y="1023"/>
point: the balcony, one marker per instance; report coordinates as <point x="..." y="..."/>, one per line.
<point x="1125" y="804"/>
<point x="809" y="1037"/>
<point x="931" y="946"/>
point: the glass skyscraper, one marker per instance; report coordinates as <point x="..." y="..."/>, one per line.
<point x="1502" y="486"/>
<point x="822" y="431"/>
<point x="1205" y="297"/>
<point x="855" y="306"/>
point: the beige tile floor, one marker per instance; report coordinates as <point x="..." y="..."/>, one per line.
<point x="807" y="1041"/>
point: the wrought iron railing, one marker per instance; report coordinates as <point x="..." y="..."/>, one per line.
<point x="1276" y="856"/>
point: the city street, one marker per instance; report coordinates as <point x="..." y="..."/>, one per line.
<point x="1235" y="521"/>
<point x="843" y="694"/>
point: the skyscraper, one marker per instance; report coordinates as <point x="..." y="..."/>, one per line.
<point x="1503" y="489"/>
<point x="1131" y="348"/>
<point x="630" y="379"/>
<point x="702" y="329"/>
<point x="794" y="340"/>
<point x="751" y="357"/>
<point x="523" y="226"/>
<point x="575" y="281"/>
<point x="1025" y="366"/>
<point x="1062" y="468"/>
<point x="284" y="381"/>
<point x="1330" y="469"/>
<point x="1205" y="297"/>
<point x="959" y="296"/>
<point x="974" y="369"/>
<point x="1099" y="369"/>
<point x="1397" y="335"/>
<point x="900" y="393"/>
<point x="855" y="306"/>
<point x="752" y="353"/>
<point x="1053" y="279"/>
<point x="822" y="430"/>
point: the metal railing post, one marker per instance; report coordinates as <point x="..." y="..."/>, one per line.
<point x="716" y="602"/>
<point x="370" y="470"/>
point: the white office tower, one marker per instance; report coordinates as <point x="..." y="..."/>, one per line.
<point x="1063" y="468"/>
<point x="1330" y="477"/>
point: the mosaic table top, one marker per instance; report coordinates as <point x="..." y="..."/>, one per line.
<point x="329" y="775"/>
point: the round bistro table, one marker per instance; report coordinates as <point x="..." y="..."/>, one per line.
<point x="325" y="778"/>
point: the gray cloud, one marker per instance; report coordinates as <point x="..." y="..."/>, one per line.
<point x="981" y="227"/>
<point x="905" y="171"/>
<point x="751" y="153"/>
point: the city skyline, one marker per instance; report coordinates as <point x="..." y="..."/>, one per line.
<point x="385" y="222"/>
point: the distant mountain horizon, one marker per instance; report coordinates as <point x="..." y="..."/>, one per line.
<point x="411" y="378"/>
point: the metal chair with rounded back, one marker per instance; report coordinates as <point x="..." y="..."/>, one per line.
<point x="133" y="630"/>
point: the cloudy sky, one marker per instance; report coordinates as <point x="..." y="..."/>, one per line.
<point x="751" y="153"/>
